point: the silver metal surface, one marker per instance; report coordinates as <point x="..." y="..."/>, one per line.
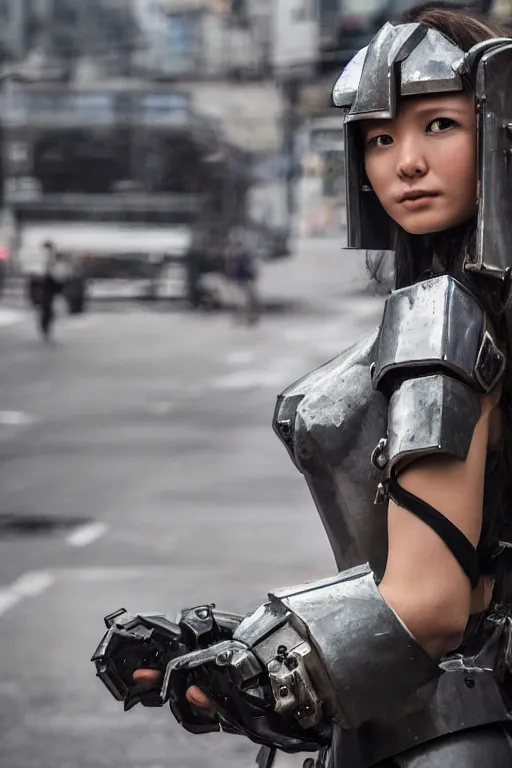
<point x="489" y="746"/>
<point x="291" y="664"/>
<point x="261" y="624"/>
<point x="427" y="61"/>
<point x="469" y="694"/>
<point x="427" y="415"/>
<point x="371" y="659"/>
<point x="330" y="421"/>
<point x="433" y="66"/>
<point x="437" y="324"/>
<point x="494" y="95"/>
<point x="293" y="690"/>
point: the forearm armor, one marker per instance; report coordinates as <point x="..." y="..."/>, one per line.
<point x="329" y="651"/>
<point x="335" y="649"/>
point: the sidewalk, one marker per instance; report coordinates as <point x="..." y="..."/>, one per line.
<point x="320" y="271"/>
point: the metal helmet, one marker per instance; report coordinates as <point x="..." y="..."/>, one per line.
<point x="410" y="60"/>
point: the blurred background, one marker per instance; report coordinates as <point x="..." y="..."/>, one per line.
<point x="171" y="257"/>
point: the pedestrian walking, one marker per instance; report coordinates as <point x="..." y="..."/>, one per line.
<point x="242" y="270"/>
<point x="55" y="275"/>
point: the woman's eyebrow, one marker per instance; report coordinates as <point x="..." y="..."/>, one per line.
<point x="379" y="125"/>
<point x="437" y="109"/>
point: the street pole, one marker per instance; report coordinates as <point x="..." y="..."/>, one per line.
<point x="17" y="16"/>
<point x="290" y="89"/>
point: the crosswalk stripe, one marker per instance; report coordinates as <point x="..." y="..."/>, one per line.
<point x="31" y="584"/>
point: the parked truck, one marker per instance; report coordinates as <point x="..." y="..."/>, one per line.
<point x="125" y="180"/>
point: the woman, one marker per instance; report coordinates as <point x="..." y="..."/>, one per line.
<point x="402" y="662"/>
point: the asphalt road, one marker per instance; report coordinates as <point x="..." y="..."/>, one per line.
<point x="138" y="468"/>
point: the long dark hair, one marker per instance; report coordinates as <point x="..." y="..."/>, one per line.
<point x="413" y="262"/>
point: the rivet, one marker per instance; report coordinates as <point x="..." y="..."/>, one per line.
<point x="223" y="658"/>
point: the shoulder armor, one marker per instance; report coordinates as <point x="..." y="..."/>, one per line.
<point x="432" y="326"/>
<point x="434" y="359"/>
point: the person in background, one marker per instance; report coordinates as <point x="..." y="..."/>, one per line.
<point x="242" y="270"/>
<point x="55" y="275"/>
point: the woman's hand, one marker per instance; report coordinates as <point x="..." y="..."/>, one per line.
<point x="195" y="695"/>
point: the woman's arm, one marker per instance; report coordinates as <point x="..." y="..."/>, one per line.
<point x="423" y="581"/>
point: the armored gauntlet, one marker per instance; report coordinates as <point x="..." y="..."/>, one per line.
<point x="200" y="650"/>
<point x="152" y="641"/>
<point x="327" y="651"/>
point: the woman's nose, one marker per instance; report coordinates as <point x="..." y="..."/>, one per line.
<point x="411" y="165"/>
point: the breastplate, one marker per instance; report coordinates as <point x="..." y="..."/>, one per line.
<point x="330" y="422"/>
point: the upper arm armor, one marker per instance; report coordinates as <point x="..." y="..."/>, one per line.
<point x="435" y="357"/>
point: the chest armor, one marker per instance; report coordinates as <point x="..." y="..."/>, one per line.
<point x="330" y="422"/>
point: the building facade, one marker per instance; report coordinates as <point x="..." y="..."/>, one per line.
<point x="219" y="53"/>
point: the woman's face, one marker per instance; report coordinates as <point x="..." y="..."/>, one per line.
<point x="422" y="165"/>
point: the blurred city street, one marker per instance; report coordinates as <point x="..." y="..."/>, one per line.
<point x="139" y="469"/>
<point x="167" y="168"/>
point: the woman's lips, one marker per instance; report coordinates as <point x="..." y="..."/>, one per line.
<point x="416" y="203"/>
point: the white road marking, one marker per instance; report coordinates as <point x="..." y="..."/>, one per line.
<point x="10" y="316"/>
<point x="86" y="534"/>
<point x="33" y="583"/>
<point x="30" y="584"/>
<point x="16" y="418"/>
<point x="8" y="599"/>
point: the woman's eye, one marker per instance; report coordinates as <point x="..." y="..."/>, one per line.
<point x="441" y="124"/>
<point x="382" y="140"/>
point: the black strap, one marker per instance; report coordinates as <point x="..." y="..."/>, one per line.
<point x="460" y="546"/>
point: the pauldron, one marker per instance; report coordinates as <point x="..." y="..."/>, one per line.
<point x="435" y="357"/>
